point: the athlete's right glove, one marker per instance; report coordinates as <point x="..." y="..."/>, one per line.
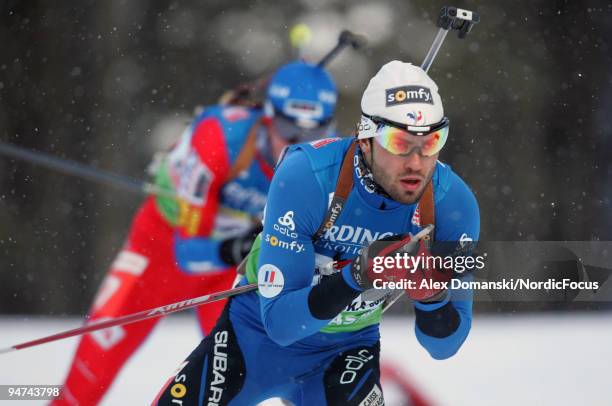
<point x="233" y="250"/>
<point x="377" y="264"/>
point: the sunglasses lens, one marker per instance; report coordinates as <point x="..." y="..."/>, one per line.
<point x="400" y="142"/>
<point x="435" y="141"/>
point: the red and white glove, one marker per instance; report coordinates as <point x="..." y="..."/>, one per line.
<point x="378" y="263"/>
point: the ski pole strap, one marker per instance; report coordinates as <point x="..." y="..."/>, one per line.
<point x="427" y="214"/>
<point x="344" y="184"/>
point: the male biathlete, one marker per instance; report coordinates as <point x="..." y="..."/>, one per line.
<point x="310" y="334"/>
<point x="220" y="170"/>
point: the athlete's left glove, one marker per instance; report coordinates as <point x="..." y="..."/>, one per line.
<point x="202" y="255"/>
<point x="370" y="272"/>
<point x="233" y="250"/>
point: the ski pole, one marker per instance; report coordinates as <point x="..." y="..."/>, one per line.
<point x="245" y="94"/>
<point x="394" y="297"/>
<point x="134" y="317"/>
<point x="182" y="305"/>
<point x="83" y="171"/>
<point x="450" y="18"/>
<point x="346" y="38"/>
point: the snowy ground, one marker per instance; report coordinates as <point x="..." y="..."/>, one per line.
<point x="521" y="360"/>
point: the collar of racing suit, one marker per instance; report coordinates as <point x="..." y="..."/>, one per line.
<point x="364" y="181"/>
<point x="367" y="187"/>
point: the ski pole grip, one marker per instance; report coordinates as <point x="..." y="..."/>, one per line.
<point x="346" y="38"/>
<point x="356" y="41"/>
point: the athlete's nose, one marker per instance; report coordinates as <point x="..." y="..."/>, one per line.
<point x="413" y="162"/>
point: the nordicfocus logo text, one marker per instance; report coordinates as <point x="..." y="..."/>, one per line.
<point x="408" y="94"/>
<point x="219" y="365"/>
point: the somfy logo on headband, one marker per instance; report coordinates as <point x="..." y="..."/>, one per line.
<point x="408" y="94"/>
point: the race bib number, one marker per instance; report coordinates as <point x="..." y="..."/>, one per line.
<point x="191" y="177"/>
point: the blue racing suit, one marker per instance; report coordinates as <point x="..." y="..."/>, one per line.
<point x="310" y="337"/>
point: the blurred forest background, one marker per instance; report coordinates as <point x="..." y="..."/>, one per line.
<point x="109" y="83"/>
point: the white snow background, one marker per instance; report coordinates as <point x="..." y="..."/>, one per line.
<point x="546" y="359"/>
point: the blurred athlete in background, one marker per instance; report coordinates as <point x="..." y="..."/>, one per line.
<point x="220" y="171"/>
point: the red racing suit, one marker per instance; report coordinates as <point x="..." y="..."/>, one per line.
<point x="171" y="252"/>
